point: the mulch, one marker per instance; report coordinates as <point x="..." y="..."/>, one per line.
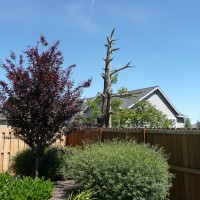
<point x="63" y="189"/>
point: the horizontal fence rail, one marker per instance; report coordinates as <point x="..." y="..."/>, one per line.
<point x="182" y="146"/>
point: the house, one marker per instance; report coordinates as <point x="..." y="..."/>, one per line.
<point x="156" y="97"/>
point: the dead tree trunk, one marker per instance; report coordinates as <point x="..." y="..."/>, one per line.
<point x="107" y="76"/>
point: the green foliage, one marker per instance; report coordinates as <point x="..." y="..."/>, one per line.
<point x="142" y="115"/>
<point x="188" y="123"/>
<point x="114" y="79"/>
<point x="84" y="195"/>
<point x="124" y="93"/>
<point x="95" y="108"/>
<point x="122" y="90"/>
<point x="123" y="118"/>
<point x="117" y="170"/>
<point x="24" y="188"/>
<point x="23" y="163"/>
<point x="146" y="115"/>
<point x="53" y="163"/>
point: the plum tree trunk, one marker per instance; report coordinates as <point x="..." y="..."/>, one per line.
<point x="37" y="159"/>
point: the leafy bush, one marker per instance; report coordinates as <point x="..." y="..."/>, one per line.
<point x="53" y="163"/>
<point x="24" y="188"/>
<point x="117" y="170"/>
<point x="84" y="195"/>
<point x="23" y="163"/>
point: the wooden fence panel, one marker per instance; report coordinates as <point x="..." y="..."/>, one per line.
<point x="10" y="145"/>
<point x="124" y="134"/>
<point x="183" y="148"/>
<point x="78" y="138"/>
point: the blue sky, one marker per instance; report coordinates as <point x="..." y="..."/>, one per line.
<point x="161" y="38"/>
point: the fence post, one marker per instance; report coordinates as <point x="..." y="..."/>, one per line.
<point x="100" y="135"/>
<point x="144" y="135"/>
<point x="66" y="140"/>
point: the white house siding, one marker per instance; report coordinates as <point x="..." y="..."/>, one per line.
<point x="160" y="104"/>
<point x="180" y="125"/>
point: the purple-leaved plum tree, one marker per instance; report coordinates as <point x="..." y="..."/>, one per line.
<point x="38" y="97"/>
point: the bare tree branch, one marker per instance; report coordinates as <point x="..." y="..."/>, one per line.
<point x="117" y="70"/>
<point x="108" y="39"/>
<point x="112" y="33"/>
<point x="101" y="94"/>
<point x="112" y="112"/>
<point x="103" y="75"/>
<point x="116" y="49"/>
<point x="108" y="61"/>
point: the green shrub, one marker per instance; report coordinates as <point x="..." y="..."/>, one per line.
<point x="53" y="163"/>
<point x="84" y="195"/>
<point x="23" y="163"/>
<point x="24" y="188"/>
<point x="122" y="170"/>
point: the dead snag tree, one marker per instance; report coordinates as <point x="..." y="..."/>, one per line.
<point x="107" y="76"/>
<point x="39" y="98"/>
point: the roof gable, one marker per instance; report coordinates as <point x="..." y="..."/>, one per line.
<point x="146" y="92"/>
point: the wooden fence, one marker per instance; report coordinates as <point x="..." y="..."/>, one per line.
<point x="10" y="145"/>
<point x="183" y="147"/>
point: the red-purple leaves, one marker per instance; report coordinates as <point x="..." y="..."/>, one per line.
<point x="39" y="97"/>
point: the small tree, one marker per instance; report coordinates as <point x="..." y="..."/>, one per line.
<point x="40" y="98"/>
<point x="146" y="115"/>
<point x="188" y="123"/>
